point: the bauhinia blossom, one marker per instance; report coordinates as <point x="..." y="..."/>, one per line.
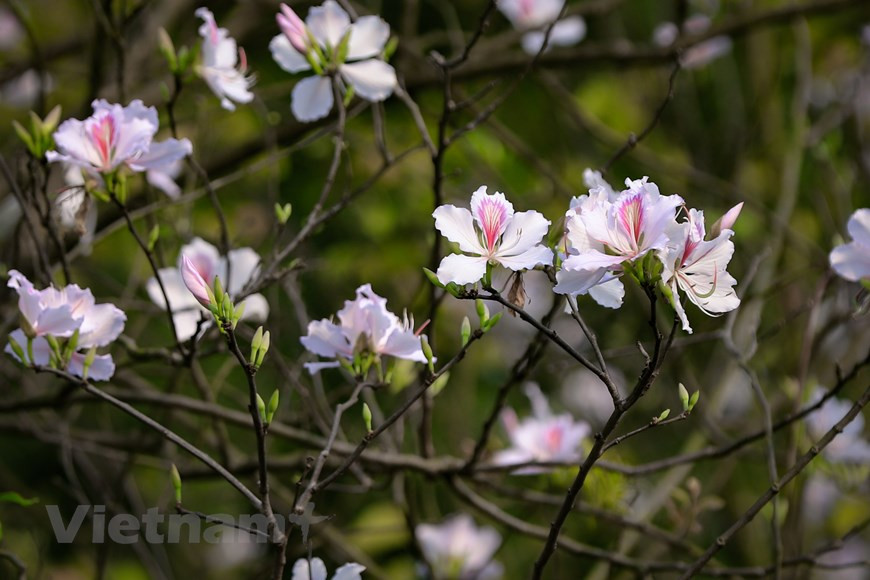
<point x="543" y="437"/>
<point x="491" y="233"/>
<point x="59" y="314"/>
<point x="459" y="550"/>
<point x="315" y="569"/>
<point x="852" y="261"/>
<point x="220" y="67"/>
<point x="365" y="327"/>
<point x="605" y="234"/>
<point x="199" y="263"/>
<point x="534" y="17"/>
<point x="697" y="266"/>
<point x="117" y="137"/>
<point x="334" y="46"/>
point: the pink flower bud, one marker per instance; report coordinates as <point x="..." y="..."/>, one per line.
<point x="195" y="281"/>
<point x="293" y="28"/>
<point x="726" y="222"/>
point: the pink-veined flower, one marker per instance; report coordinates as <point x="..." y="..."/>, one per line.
<point x="543" y="437"/>
<point x="59" y="313"/>
<point x="698" y="266"/>
<point x="604" y="233"/>
<point x="359" y="67"/>
<point x="315" y="569"/>
<point x="491" y="233"/>
<point x="198" y="264"/>
<point x="115" y="137"/>
<point x="534" y="16"/>
<point x="458" y="549"/>
<point x="852" y="261"/>
<point x="220" y="66"/>
<point x="365" y="326"/>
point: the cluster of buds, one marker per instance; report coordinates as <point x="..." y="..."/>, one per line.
<point x="38" y="138"/>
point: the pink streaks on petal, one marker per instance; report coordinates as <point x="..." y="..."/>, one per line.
<point x="103" y="136"/>
<point x="631" y="217"/>
<point x="492" y="215"/>
<point x="554" y="438"/>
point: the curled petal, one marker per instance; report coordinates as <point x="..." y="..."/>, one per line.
<point x="457" y="225"/>
<point x="327" y="339"/>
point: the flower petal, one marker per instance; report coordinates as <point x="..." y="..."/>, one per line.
<point x="859" y="227"/>
<point x="312" y="98"/>
<point x="286" y="56"/>
<point x="350" y="571"/>
<point x="368" y="36"/>
<point x="256" y="308"/>
<point x="457" y="225"/>
<point x="328" y="23"/>
<point x="608" y="294"/>
<point x="537" y="256"/>
<point x="326" y="339"/>
<point x="302" y="570"/>
<point x="102" y="324"/>
<point x="461" y="269"/>
<point x="372" y="79"/>
<point x="851" y="261"/>
<point x="526" y="230"/>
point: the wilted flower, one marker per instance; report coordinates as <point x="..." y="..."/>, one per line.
<point x="543" y="437"/>
<point x="534" y="16"/>
<point x="852" y="261"/>
<point x="365" y="327"/>
<point x="59" y="313"/>
<point x="115" y="137"/>
<point x="605" y="233"/>
<point x="200" y="258"/>
<point x="501" y="236"/>
<point x="315" y="569"/>
<point x="220" y="66"/>
<point x="698" y="266"/>
<point x="458" y="550"/>
<point x="330" y="43"/>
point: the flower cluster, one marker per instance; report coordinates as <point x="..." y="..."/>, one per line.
<point x="543" y="437"/>
<point x="458" y="549"/>
<point x="115" y="138"/>
<point x="187" y="285"/>
<point x="608" y="234"/>
<point x="328" y="43"/>
<point x="366" y="332"/>
<point x="63" y="328"/>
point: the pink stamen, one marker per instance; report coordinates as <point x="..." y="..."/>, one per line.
<point x="492" y="216"/>
<point x="422" y="327"/>
<point x="243" y="61"/>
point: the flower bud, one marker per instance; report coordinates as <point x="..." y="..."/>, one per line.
<point x="684" y="396"/>
<point x="255" y="345"/>
<point x="693" y="400"/>
<point x="482" y="311"/>
<point x="264" y="348"/>
<point x="273" y="406"/>
<point x="293" y="28"/>
<point x="726" y="222"/>
<point x="176" y="482"/>
<point x="427" y="352"/>
<point x="367" y="417"/>
<point x="261" y="408"/>
<point x="197" y="285"/>
<point x="465" y="331"/>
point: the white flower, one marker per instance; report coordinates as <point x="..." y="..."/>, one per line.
<point x="604" y="233"/>
<point x="543" y="437"/>
<point x="501" y="236"/>
<point x="850" y="446"/>
<point x="534" y="16"/>
<point x="115" y="137"/>
<point x="220" y="63"/>
<point x="316" y="570"/>
<point x="59" y="313"/>
<point x="458" y="550"/>
<point x="208" y="263"/>
<point x="365" y="326"/>
<point x="698" y="267"/>
<point x="333" y="44"/>
<point x="852" y="261"/>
